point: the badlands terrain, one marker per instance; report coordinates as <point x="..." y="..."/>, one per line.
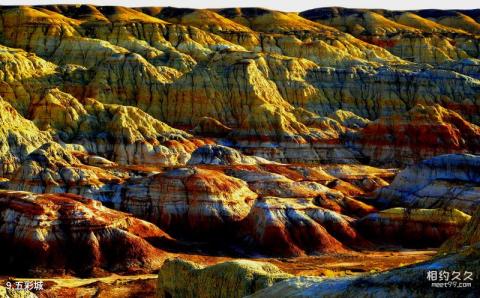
<point x="161" y="152"/>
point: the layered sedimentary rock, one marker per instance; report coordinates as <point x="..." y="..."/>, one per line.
<point x="408" y="281"/>
<point x="124" y="134"/>
<point x="52" y="36"/>
<point x="18" y="137"/>
<point x="128" y="135"/>
<point x="53" y="169"/>
<point x="68" y="232"/>
<point x="258" y="29"/>
<point x="460" y="254"/>
<point x="180" y="278"/>
<point x="415" y="227"/>
<point x="282" y="86"/>
<point x="24" y="77"/>
<point x="222" y="155"/>
<point x="454" y="19"/>
<point x="297" y="182"/>
<point x="191" y="200"/>
<point x="423" y="132"/>
<point x="364" y="177"/>
<point x="234" y="79"/>
<point x="228" y="126"/>
<point x="367" y="93"/>
<point x="293" y="227"/>
<point x="445" y="181"/>
<point x="421" y="36"/>
<point x="256" y="207"/>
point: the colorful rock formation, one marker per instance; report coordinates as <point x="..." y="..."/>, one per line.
<point x="425" y="36"/>
<point x="293" y="227"/>
<point x="423" y="132"/>
<point x="459" y="254"/>
<point x="70" y="233"/>
<point x="240" y="131"/>
<point x="18" y="137"/>
<point x="191" y="202"/>
<point x="445" y="181"/>
<point x="183" y="55"/>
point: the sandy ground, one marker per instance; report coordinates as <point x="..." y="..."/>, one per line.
<point x="352" y="263"/>
<point x="143" y="285"/>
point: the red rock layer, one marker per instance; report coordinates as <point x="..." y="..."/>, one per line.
<point x="423" y="132"/>
<point x="193" y="202"/>
<point x="69" y="233"/>
<point x="293" y="227"/>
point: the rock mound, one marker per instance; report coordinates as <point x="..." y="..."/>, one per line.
<point x="292" y="227"/>
<point x="184" y="279"/>
<point x="409" y="281"/>
<point x="445" y="181"/>
<point x="54" y="169"/>
<point x="222" y="155"/>
<point x="412" y="228"/>
<point x="191" y="201"/>
<point x="69" y="232"/>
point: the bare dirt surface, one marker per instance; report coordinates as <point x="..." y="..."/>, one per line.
<point x="120" y="286"/>
<point x="351" y="263"/>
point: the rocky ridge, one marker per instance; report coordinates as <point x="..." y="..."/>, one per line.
<point x="461" y="253"/>
<point x="271" y="282"/>
<point x="273" y="75"/>
<point x="422" y="132"/>
<point x="240" y="131"/>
